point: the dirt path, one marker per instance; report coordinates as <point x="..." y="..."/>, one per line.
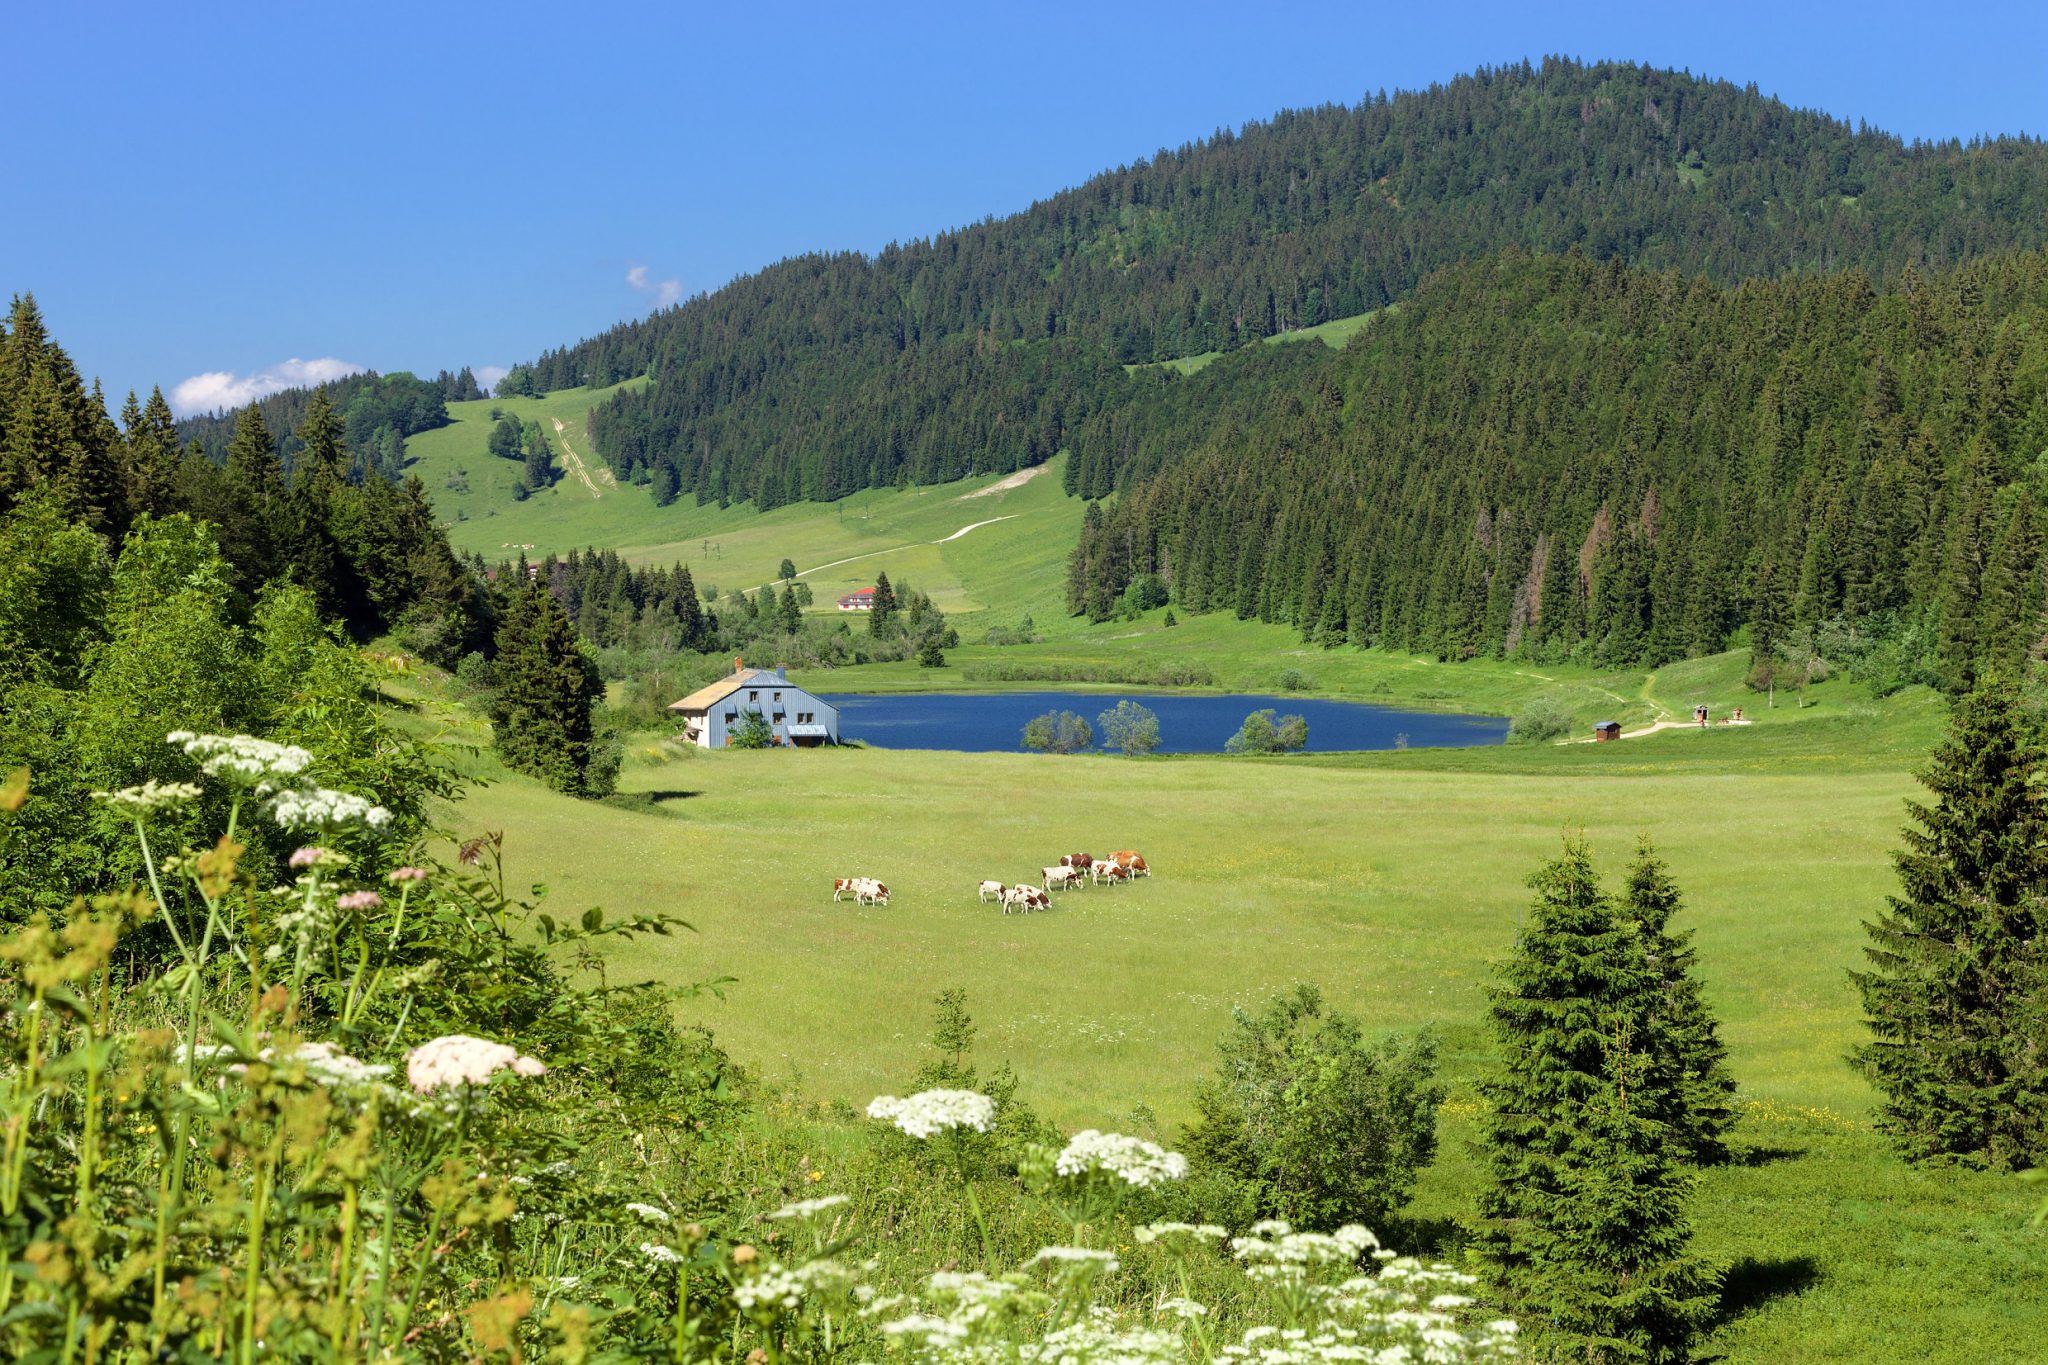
<point x="1016" y="480"/>
<point x="819" y="568"/>
<point x="575" y="461"/>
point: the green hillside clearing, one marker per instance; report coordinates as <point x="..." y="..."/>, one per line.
<point x="1334" y="334"/>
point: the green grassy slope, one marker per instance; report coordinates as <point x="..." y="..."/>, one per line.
<point x="1014" y="565"/>
<point x="1334" y="334"/>
<point x="1394" y="880"/>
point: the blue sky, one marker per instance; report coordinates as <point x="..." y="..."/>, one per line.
<point x="212" y="190"/>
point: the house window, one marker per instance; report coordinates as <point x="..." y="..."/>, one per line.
<point x="753" y="696"/>
<point x="731" y="716"/>
<point x="778" y="696"/>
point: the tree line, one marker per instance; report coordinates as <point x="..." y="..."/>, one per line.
<point x="377" y="412"/>
<point x="1552" y="457"/>
<point x="831" y="372"/>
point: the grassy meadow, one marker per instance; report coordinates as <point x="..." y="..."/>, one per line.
<point x="1392" y="880"/>
<point x="1015" y="564"/>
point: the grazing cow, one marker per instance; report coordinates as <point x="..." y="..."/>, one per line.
<point x="1025" y="899"/>
<point x="988" y="889"/>
<point x="1080" y="861"/>
<point x="1106" y="871"/>
<point x="1061" y="878"/>
<point x="1131" y="862"/>
<point x="842" y="886"/>
<point x="868" y="891"/>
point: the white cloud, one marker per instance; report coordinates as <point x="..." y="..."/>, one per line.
<point x="665" y="292"/>
<point x="218" y="390"/>
<point x="489" y="375"/>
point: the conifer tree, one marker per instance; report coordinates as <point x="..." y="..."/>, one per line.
<point x="546" y="686"/>
<point x="885" y="606"/>
<point x="1583" y="1221"/>
<point x="1695" y="1069"/>
<point x="1958" y="981"/>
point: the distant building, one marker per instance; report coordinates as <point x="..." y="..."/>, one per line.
<point x="864" y="600"/>
<point x="1607" y="729"/>
<point x="710" y="714"/>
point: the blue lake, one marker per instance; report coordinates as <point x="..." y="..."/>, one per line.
<point x="1188" y="723"/>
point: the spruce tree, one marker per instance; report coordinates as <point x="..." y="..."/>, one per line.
<point x="546" y="686"/>
<point x="1958" y="982"/>
<point x="1582" y="1221"/>
<point x="1695" y="1068"/>
<point x="885" y="606"/>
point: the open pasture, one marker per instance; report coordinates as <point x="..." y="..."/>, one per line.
<point x="1393" y="880"/>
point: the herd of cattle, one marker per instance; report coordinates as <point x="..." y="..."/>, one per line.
<point x="1075" y="871"/>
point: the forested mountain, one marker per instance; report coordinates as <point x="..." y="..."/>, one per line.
<point x="1563" y="457"/>
<point x="985" y="348"/>
<point x="378" y="412"/>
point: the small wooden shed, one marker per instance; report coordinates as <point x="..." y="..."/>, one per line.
<point x="1606" y="730"/>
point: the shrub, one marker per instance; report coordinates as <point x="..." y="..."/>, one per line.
<point x="1309" y="1121"/>
<point x="1264" y="732"/>
<point x="1540" y="722"/>
<point x="929" y="654"/>
<point x="1058" y="732"/>
<point x="752" y="732"/>
<point x="1294" y="680"/>
<point x="1129" y="727"/>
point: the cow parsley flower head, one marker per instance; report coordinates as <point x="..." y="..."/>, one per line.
<point x="661" y="1255"/>
<point x="1132" y="1160"/>
<point x="401" y="875"/>
<point x="325" y="1065"/>
<point x="1201" y="1232"/>
<point x="1075" y="1256"/>
<point x="150" y="796"/>
<point x="243" y="759"/>
<point x="313" y="856"/>
<point x="319" y="808"/>
<point x="457" y="1059"/>
<point x="359" y="900"/>
<point x="647" y="1213"/>
<point x="810" y="1208"/>
<point x="930" y="1112"/>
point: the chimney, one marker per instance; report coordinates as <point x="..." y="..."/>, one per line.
<point x="736" y="665"/>
<point x="781" y="674"/>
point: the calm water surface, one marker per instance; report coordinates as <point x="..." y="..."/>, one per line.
<point x="1188" y="724"/>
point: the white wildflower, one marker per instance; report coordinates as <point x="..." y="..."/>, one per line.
<point x="647" y="1213"/>
<point x="329" y="1065"/>
<point x="150" y="796"/>
<point x="457" y="1059"/>
<point x="1201" y="1232"/>
<point x="930" y="1112"/>
<point x="1132" y="1160"/>
<point x="1182" y="1308"/>
<point x="661" y="1255"/>
<point x="243" y="759"/>
<point x="319" y="808"/>
<point x="810" y="1208"/>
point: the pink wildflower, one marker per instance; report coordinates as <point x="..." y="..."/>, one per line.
<point x="407" y="874"/>
<point x="308" y="857"/>
<point x="359" y="900"/>
<point x="459" y="1059"/>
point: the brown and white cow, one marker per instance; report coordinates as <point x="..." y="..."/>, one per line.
<point x="1061" y="878"/>
<point x="1025" y="899"/>
<point x="868" y="891"/>
<point x="1132" y="862"/>
<point x="1107" y="871"/>
<point x="988" y="889"/>
<point x="1079" y="861"/>
<point x="844" y="886"/>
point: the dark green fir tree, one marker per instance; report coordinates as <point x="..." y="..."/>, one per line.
<point x="1695" y="1069"/>
<point x="884" y="613"/>
<point x="546" y="686"/>
<point x="1956" y="990"/>
<point x="1582" y="1222"/>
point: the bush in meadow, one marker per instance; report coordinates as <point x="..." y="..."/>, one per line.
<point x="1306" y="1120"/>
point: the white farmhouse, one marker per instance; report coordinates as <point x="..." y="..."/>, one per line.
<point x="711" y="714"/>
